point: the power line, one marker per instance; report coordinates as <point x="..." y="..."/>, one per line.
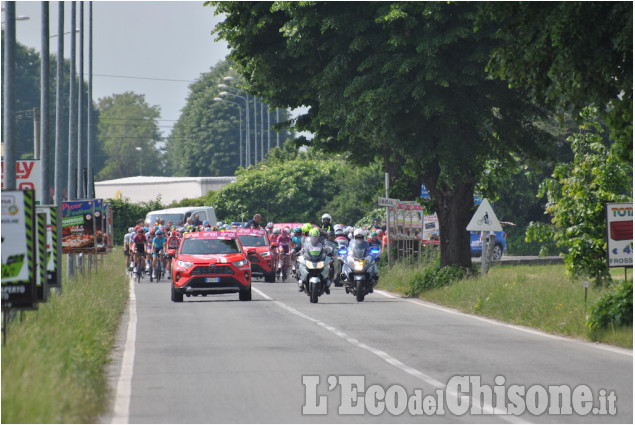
<point x="142" y="78"/>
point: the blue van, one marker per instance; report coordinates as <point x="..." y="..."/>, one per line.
<point x="500" y="244"/>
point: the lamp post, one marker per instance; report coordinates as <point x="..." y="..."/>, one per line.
<point x="240" y="133"/>
<point x="139" y="149"/>
<point x="247" y="133"/>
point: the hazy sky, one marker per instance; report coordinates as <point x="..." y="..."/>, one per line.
<point x="157" y="40"/>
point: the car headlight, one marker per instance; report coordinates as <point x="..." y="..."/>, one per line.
<point x="184" y="264"/>
<point x="240" y="263"/>
<point x="265" y="254"/>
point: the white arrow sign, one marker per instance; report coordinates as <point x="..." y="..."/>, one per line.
<point x="484" y="219"/>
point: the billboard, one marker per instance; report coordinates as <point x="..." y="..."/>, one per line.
<point x="27" y="174"/>
<point x="18" y="249"/>
<point x="619" y="234"/>
<point x="53" y="263"/>
<point x="78" y="225"/>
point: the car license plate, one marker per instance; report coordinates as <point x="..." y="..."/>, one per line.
<point x="212" y="279"/>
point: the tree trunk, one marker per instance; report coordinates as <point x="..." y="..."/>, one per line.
<point x="454" y="210"/>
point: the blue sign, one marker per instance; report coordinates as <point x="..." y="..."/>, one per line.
<point x="424" y="192"/>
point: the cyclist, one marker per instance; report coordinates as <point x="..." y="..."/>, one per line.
<point x="171" y="246"/>
<point x="126" y="245"/>
<point x="269" y="228"/>
<point x="149" y="237"/>
<point x="296" y="246"/>
<point x="158" y="244"/>
<point x="284" y="243"/>
<point x="139" y="241"/>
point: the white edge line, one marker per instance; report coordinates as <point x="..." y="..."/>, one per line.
<point x="121" y="411"/>
<point x="391" y="360"/>
<point x="532" y="331"/>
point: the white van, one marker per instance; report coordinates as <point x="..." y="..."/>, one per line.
<point x="180" y="215"/>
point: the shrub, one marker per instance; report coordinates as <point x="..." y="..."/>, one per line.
<point x="615" y="307"/>
<point x="432" y="277"/>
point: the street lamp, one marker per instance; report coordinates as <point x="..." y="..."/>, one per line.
<point x="139" y="149"/>
<point x="240" y="133"/>
<point x="247" y="133"/>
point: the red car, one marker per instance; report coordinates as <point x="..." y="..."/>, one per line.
<point x="210" y="263"/>
<point x="259" y="253"/>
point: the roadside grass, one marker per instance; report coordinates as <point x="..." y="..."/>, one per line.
<point x="54" y="359"/>
<point x="537" y="296"/>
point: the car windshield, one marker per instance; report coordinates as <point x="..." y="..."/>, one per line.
<point x="193" y="246"/>
<point x="248" y="240"/>
<point x="174" y="218"/>
<point x="358" y="248"/>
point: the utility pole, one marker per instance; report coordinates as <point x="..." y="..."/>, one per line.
<point x="36" y="133"/>
<point x="255" y="131"/>
<point x="89" y="147"/>
<point x="80" y="106"/>
<point x="72" y="131"/>
<point x="59" y="89"/>
<point x="45" y="195"/>
<point x="9" y="96"/>
<point x="278" y="132"/>
<point x="262" y="132"/>
<point x="268" y="131"/>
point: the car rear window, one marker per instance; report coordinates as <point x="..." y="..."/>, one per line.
<point x="209" y="246"/>
<point x="248" y="240"/>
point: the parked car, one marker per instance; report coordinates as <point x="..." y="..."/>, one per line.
<point x="500" y="244"/>
<point x="259" y="253"/>
<point x="210" y="263"/>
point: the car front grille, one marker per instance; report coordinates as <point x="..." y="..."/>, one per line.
<point x="254" y="259"/>
<point x="211" y="270"/>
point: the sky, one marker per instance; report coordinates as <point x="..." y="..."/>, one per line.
<point x="153" y="41"/>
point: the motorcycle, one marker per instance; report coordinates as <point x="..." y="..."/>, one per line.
<point x="359" y="270"/>
<point x="314" y="272"/>
<point x="338" y="261"/>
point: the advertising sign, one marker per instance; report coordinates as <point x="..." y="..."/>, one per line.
<point x="53" y="277"/>
<point x="42" y="255"/>
<point x="619" y="234"/>
<point x="27" y="174"/>
<point x="109" y="232"/>
<point x="18" y="249"/>
<point x="78" y="226"/>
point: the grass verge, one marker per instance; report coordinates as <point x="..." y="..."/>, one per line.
<point x="54" y="359"/>
<point x="539" y="296"/>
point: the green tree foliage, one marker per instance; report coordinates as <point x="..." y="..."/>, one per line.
<point x="125" y="215"/>
<point x="577" y="194"/>
<point x="126" y="122"/>
<point x="206" y="138"/>
<point x="574" y="54"/>
<point x="400" y="81"/>
<point x="614" y="308"/>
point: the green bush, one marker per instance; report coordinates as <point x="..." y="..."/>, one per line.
<point x="518" y="244"/>
<point x="125" y="214"/>
<point x="614" y="308"/>
<point x="432" y="277"/>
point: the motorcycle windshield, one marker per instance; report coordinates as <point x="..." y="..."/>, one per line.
<point x="358" y="249"/>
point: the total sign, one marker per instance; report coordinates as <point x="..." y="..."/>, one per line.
<point x="619" y="234"/>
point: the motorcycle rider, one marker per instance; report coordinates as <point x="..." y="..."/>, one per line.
<point x="359" y="242"/>
<point x="314" y="243"/>
<point x="326" y="223"/>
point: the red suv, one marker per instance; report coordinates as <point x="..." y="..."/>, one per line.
<point x="258" y="249"/>
<point x="210" y="263"/>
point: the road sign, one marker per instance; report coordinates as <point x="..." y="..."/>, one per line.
<point x="424" y="192"/>
<point x="619" y="234"/>
<point x="387" y="202"/>
<point x="484" y="219"/>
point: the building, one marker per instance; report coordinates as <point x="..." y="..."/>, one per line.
<point x="144" y="189"/>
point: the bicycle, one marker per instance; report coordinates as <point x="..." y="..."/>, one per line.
<point x="158" y="270"/>
<point x="138" y="270"/>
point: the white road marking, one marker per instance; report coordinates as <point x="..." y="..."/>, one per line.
<point x="432" y="306"/>
<point x="391" y="360"/>
<point x="121" y="413"/>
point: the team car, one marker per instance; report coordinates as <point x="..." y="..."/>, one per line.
<point x="259" y="252"/>
<point x="210" y="263"/>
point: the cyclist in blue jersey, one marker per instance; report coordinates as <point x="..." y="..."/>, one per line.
<point x="158" y="244"/>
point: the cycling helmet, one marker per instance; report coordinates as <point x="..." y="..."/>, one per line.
<point x="285" y="231"/>
<point x="206" y="223"/>
<point x="130" y="229"/>
<point x="270" y="225"/>
<point x="306" y="227"/>
<point x="159" y="232"/>
<point x="338" y="227"/>
<point x="327" y="216"/>
<point x="373" y="234"/>
<point x="219" y="224"/>
<point x="297" y="230"/>
<point x="152" y="231"/>
<point x="145" y="229"/>
<point x="314" y="233"/>
<point x="276" y="231"/>
<point x="139" y="230"/>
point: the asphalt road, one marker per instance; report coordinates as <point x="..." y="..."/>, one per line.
<point x="218" y="360"/>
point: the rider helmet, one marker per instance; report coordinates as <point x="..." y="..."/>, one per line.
<point x="206" y="223"/>
<point x="359" y="233"/>
<point x="130" y="229"/>
<point x="159" y="232"/>
<point x="314" y="234"/>
<point x="139" y="230"/>
<point x="326" y="217"/>
<point x="297" y="230"/>
<point x="270" y="225"/>
<point x="285" y="231"/>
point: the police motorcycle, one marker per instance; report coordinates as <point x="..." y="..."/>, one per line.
<point x="314" y="268"/>
<point x="359" y="270"/>
<point x="338" y="261"/>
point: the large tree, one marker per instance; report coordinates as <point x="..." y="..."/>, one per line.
<point x="402" y="81"/>
<point x="574" y="54"/>
<point x="127" y="122"/>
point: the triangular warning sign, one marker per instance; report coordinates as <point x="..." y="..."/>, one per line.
<point x="484" y="219"/>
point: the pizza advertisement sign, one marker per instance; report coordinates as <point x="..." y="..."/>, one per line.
<point x="18" y="249"/>
<point x="100" y="225"/>
<point x="78" y="226"/>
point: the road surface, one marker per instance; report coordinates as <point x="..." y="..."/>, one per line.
<point x="280" y="359"/>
